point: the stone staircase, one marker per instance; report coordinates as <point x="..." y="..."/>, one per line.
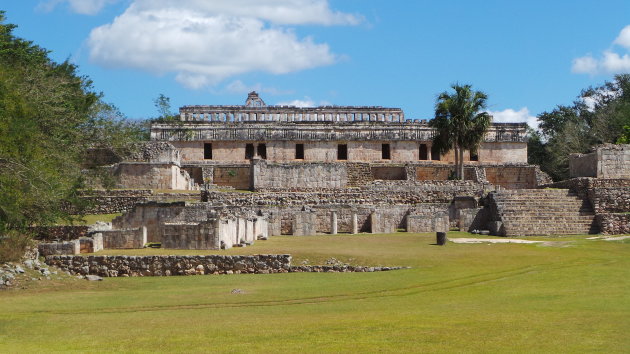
<point x="529" y="212"/>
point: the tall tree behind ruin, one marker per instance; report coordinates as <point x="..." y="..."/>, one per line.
<point x="49" y="115"/>
<point x="598" y="115"/>
<point x="460" y="122"/>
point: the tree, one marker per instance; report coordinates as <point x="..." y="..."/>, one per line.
<point x="598" y="115"/>
<point x="460" y="123"/>
<point x="49" y="116"/>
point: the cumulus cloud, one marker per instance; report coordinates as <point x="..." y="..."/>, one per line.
<point x="511" y="116"/>
<point x="306" y="102"/>
<point x="204" y="42"/>
<point x="611" y="62"/>
<point x="624" y="37"/>
<point x="83" y="7"/>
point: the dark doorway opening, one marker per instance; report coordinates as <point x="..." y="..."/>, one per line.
<point x="207" y="151"/>
<point x="262" y="151"/>
<point x="342" y="152"/>
<point x="423" y="153"/>
<point x="299" y="151"/>
<point x="249" y="151"/>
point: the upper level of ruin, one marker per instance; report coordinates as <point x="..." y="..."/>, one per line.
<point x="255" y="110"/>
<point x="256" y="121"/>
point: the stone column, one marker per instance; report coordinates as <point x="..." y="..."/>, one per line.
<point x="333" y="222"/>
<point x="355" y="223"/>
<point x="374" y="223"/>
<point x="429" y="148"/>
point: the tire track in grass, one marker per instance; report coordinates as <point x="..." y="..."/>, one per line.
<point x="403" y="291"/>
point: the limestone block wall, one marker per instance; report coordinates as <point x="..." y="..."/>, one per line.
<point x="614" y="161"/>
<point x="57" y="248"/>
<point x="91" y="244"/>
<point x="152" y="175"/>
<point x="512" y="177"/>
<point x="613" y="223"/>
<point x="124" y="238"/>
<point x="438" y="222"/>
<point x="267" y="175"/>
<point x="232" y="176"/>
<point x="606" y="161"/>
<point x="192" y="236"/>
<point x="126" y="266"/>
<point x="62" y="233"/>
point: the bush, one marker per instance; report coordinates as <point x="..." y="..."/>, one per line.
<point x="13" y="246"/>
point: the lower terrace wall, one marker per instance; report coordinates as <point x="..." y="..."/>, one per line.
<point x="125" y="266"/>
<point x="614" y="224"/>
<point x="266" y="175"/>
<point x="124" y="238"/>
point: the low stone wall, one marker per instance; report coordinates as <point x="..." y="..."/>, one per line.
<point x="381" y="193"/>
<point x="57" y="248"/>
<point x="613" y="223"/>
<point x="61" y="233"/>
<point x="125" y="266"/>
<point x="610" y="200"/>
<point x="438" y="222"/>
<point x="472" y="219"/>
<point x="124" y="238"/>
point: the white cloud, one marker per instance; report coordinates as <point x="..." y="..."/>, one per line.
<point x="511" y="116"/>
<point x="624" y="37"/>
<point x="584" y="65"/>
<point x="204" y="42"/>
<point x="610" y="62"/>
<point x="306" y="102"/>
<point x="83" y="7"/>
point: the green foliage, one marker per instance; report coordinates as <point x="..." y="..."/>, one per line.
<point x="49" y="116"/>
<point x="163" y="105"/>
<point x="625" y="136"/>
<point x="597" y="116"/>
<point x="460" y="122"/>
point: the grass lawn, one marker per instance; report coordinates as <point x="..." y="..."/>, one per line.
<point x="567" y="295"/>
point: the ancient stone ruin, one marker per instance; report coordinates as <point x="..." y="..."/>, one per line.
<point x="335" y="170"/>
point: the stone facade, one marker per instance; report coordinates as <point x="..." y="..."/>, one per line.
<point x="606" y="161"/>
<point x="317" y="146"/>
<point x="124" y="238"/>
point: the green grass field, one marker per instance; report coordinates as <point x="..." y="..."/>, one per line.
<point x="567" y="295"/>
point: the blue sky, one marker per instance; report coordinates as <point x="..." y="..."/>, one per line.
<point x="528" y="56"/>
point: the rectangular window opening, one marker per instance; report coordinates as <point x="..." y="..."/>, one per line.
<point x="262" y="151"/>
<point x="385" y="152"/>
<point x="299" y="151"/>
<point x="249" y="151"/>
<point x="423" y="153"/>
<point x="474" y="156"/>
<point x="207" y="151"/>
<point x="434" y="154"/>
<point x="342" y="152"/>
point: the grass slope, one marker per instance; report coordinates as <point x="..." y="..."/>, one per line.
<point x="567" y="296"/>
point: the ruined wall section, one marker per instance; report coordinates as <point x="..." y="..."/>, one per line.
<point x="606" y="161"/>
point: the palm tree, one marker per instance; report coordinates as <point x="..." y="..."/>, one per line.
<point x="460" y="123"/>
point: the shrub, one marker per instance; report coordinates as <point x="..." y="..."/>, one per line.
<point x="13" y="246"/>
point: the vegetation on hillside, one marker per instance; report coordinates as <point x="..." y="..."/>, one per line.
<point x="461" y="122"/>
<point x="598" y="115"/>
<point x="49" y="116"/>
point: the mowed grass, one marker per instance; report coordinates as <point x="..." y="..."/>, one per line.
<point x="569" y="295"/>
